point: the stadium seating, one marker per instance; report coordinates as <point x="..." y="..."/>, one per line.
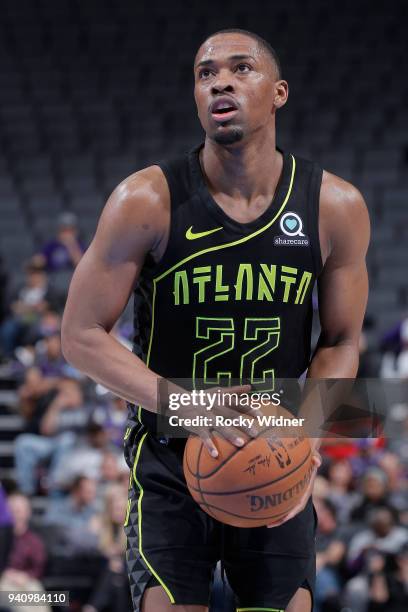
<point x="91" y="91"/>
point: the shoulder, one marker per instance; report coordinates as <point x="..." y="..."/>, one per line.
<point x="344" y="220"/>
<point x="144" y="189"/>
<point x="137" y="212"/>
<point x="341" y="196"/>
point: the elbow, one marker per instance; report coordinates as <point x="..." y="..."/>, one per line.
<point x="69" y="343"/>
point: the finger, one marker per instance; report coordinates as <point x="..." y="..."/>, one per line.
<point x="237" y="389"/>
<point x="209" y="443"/>
<point x="232" y="408"/>
<point x="249" y="429"/>
<point x="317" y="460"/>
<point x="233" y="435"/>
<point x="232" y="399"/>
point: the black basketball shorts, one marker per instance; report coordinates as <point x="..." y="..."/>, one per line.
<point x="171" y="542"/>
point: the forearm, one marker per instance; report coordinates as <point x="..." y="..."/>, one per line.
<point x="329" y="362"/>
<point x="338" y="361"/>
<point x="101" y="357"/>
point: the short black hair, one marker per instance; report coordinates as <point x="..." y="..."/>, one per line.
<point x="261" y="42"/>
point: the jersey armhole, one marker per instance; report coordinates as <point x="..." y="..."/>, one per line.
<point x="171" y="173"/>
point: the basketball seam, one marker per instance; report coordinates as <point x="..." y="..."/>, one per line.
<point x="258" y="486"/>
<point x="225" y="460"/>
<point x="203" y="503"/>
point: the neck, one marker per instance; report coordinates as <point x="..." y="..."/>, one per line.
<point x="243" y="171"/>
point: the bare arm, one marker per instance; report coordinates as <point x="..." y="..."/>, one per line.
<point x="134" y="222"/>
<point x="130" y="226"/>
<point x="343" y="284"/>
<point x="343" y="291"/>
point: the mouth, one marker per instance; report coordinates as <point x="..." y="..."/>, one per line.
<point x="223" y="109"/>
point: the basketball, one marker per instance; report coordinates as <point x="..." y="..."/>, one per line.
<point x="251" y="486"/>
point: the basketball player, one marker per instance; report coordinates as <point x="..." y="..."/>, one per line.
<point x="223" y="245"/>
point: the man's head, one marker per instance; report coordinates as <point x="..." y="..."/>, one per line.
<point x="381" y="521"/>
<point x="97" y="435"/>
<point x="36" y="275"/>
<point x="67" y="225"/>
<point x="53" y="346"/>
<point x="83" y="490"/>
<point x="238" y="85"/>
<point x="374" y="484"/>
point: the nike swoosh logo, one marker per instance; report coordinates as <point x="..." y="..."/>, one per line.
<point x="190" y="235"/>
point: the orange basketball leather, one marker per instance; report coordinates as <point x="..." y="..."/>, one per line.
<point x="251" y="486"/>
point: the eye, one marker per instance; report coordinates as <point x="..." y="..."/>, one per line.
<point x="242" y="68"/>
<point x="204" y="73"/>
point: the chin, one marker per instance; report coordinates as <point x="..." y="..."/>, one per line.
<point x="228" y="136"/>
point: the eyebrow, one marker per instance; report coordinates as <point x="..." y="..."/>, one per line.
<point x="231" y="57"/>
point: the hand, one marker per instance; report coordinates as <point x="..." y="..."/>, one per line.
<point x="228" y="408"/>
<point x="316" y="461"/>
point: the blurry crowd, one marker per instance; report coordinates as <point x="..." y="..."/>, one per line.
<point x="69" y="454"/>
<point x="361" y="500"/>
<point x="69" y="451"/>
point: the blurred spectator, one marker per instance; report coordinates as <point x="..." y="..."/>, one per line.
<point x="6" y="529"/>
<point x="3" y="290"/>
<point x="42" y="379"/>
<point x="375" y="494"/>
<point x="393" y="467"/>
<point x="388" y="582"/>
<point x="392" y="341"/>
<point x="52" y="428"/>
<point x="85" y="457"/>
<point x="395" y="359"/>
<point x="111" y="414"/>
<point x="341" y="493"/>
<point x="112" y="589"/>
<point x="28" y="303"/>
<point x="114" y="471"/>
<point x="380" y="554"/>
<point x="369" y="360"/>
<point x="49" y="324"/>
<point x="330" y="554"/>
<point x="382" y="536"/>
<point x="76" y="517"/>
<point x="27" y="558"/>
<point x="65" y="250"/>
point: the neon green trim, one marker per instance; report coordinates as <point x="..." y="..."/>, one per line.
<point x="226" y="328"/>
<point x="152" y="327"/>
<point x="256" y="609"/>
<point x="139" y="516"/>
<point x="193" y="236"/>
<point x="241" y="240"/>
<point x="272" y="327"/>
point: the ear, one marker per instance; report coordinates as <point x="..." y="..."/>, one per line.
<point x="281" y="93"/>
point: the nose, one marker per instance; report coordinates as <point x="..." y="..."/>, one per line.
<point x="222" y="84"/>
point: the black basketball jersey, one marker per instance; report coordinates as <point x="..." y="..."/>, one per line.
<point x="231" y="302"/>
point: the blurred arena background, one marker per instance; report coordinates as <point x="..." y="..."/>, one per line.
<point x="93" y="90"/>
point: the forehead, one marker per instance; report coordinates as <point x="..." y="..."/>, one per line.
<point x="224" y="45"/>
